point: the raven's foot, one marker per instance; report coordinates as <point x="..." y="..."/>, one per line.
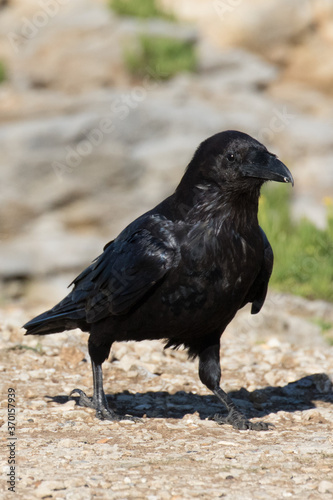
<point x="240" y="422"/>
<point x="103" y="412"/>
<point x="235" y="417"/>
<point x="107" y="414"/>
<point x="84" y="400"/>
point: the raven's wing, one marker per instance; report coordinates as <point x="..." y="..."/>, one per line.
<point x="127" y="269"/>
<point x="258" y="291"/>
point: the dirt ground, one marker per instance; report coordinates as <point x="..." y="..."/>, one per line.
<point x="278" y="368"/>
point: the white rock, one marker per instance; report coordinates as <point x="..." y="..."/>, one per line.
<point x="325" y="487"/>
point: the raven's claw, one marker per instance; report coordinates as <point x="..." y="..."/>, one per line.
<point x="240" y="422"/>
<point x="103" y="412"/>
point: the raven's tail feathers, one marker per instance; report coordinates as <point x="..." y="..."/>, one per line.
<point x="64" y="316"/>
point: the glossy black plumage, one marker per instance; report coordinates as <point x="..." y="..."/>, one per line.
<point x="181" y="271"/>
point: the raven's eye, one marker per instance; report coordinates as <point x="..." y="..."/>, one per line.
<point x="231" y="157"/>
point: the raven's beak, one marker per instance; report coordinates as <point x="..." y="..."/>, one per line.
<point x="271" y="170"/>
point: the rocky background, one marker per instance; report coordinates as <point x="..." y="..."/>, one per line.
<point x="85" y="148"/>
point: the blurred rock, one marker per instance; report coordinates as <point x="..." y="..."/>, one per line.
<point x="238" y="69"/>
<point x="90" y="42"/>
<point x="297" y="35"/>
<point x="85" y="37"/>
<point x="265" y="27"/>
<point x="50" y="251"/>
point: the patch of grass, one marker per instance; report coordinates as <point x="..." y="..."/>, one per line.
<point x="329" y="339"/>
<point x="326" y="329"/>
<point x="161" y="57"/>
<point x="21" y="347"/>
<point x="143" y="9"/>
<point x="324" y="325"/>
<point x="303" y="262"/>
<point x="3" y="74"/>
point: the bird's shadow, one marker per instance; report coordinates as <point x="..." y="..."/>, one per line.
<point x="295" y="396"/>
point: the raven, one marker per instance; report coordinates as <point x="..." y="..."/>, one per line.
<point x="181" y="271"/>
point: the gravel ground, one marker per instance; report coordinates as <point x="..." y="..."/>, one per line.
<point x="276" y="366"/>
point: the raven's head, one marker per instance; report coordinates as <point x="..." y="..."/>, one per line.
<point x="234" y="160"/>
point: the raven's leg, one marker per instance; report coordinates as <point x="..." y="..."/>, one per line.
<point x="210" y="375"/>
<point x="99" y="401"/>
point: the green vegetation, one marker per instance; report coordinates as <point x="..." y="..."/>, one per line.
<point x="21" y="347"/>
<point x="2" y="72"/>
<point x="303" y="262"/>
<point x="158" y="57"/>
<point x="324" y="325"/>
<point x="326" y="329"/>
<point x="139" y="8"/>
<point x="161" y="57"/>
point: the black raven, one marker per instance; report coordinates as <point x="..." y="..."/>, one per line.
<point x="181" y="271"/>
